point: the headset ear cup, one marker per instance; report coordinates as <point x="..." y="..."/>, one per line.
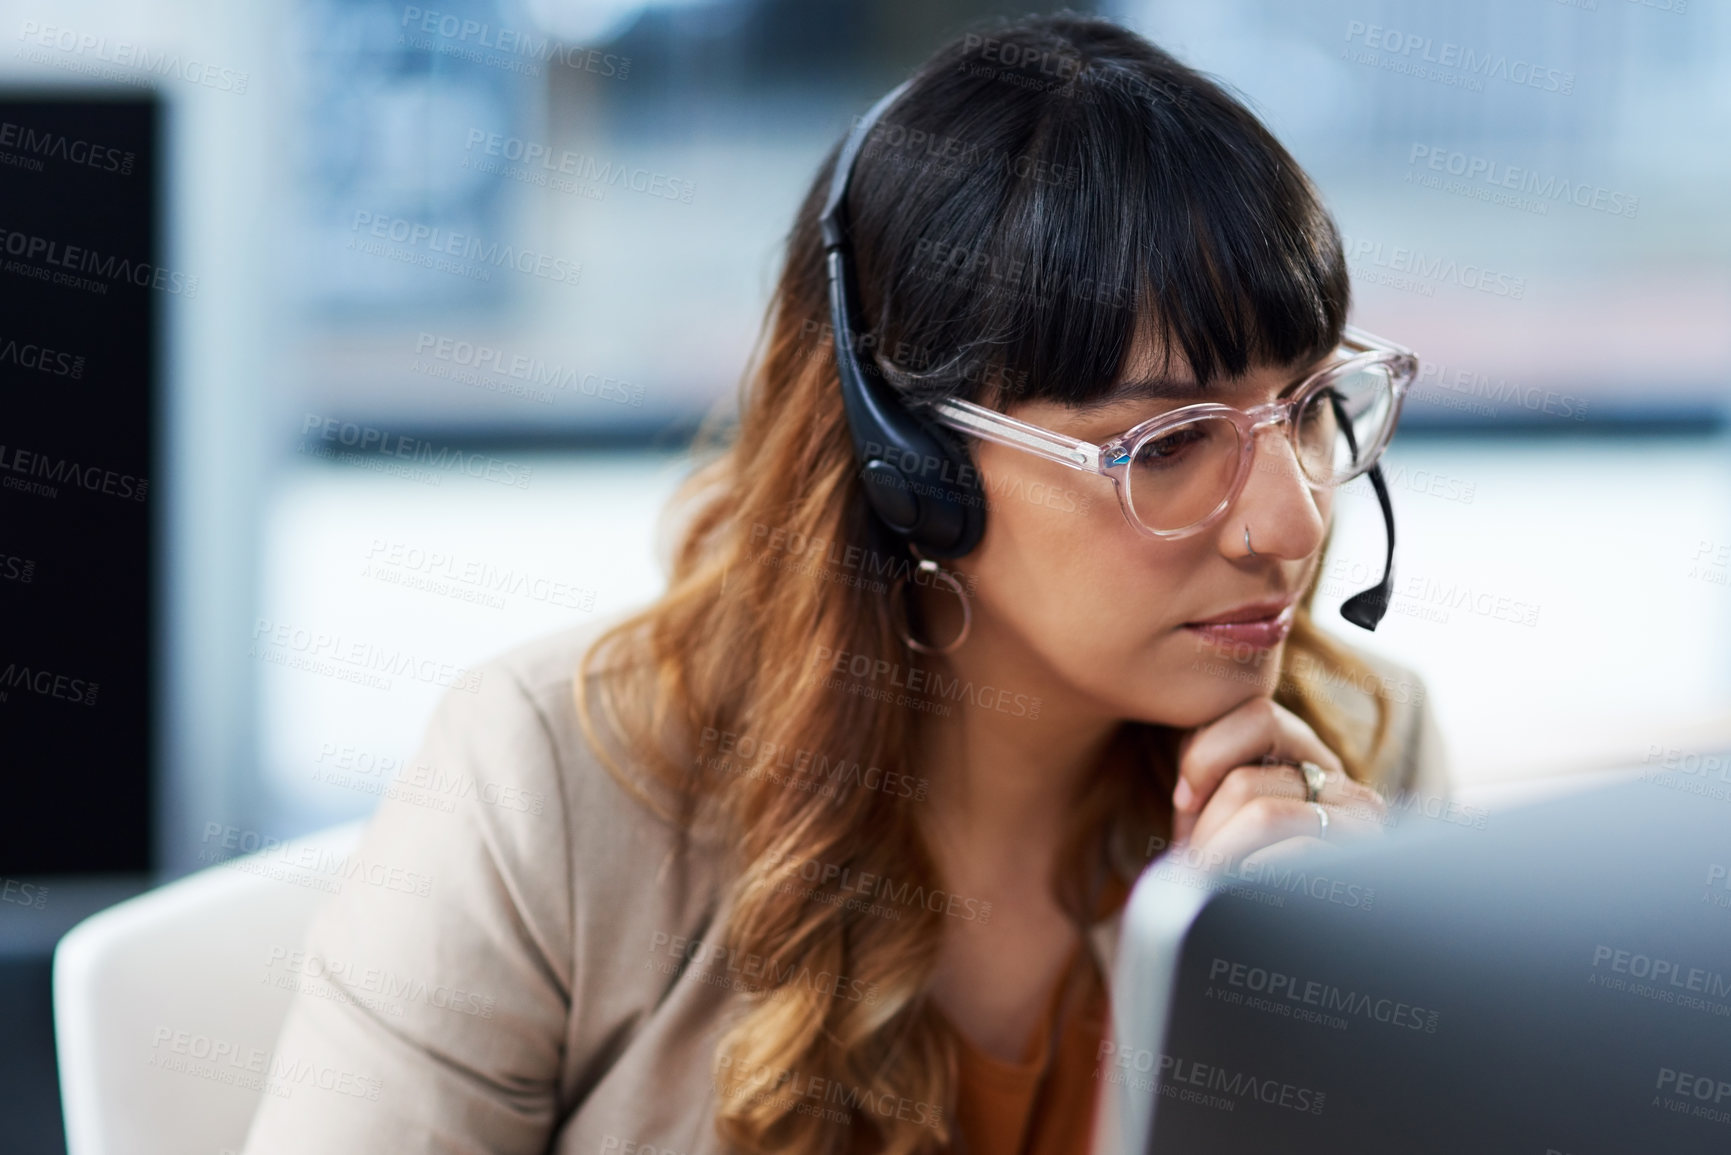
<point x="919" y="481"/>
<point x="955" y="502"/>
<point x="891" y="497"/>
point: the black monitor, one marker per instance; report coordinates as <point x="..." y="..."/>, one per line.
<point x="80" y="300"/>
<point x="1555" y="981"/>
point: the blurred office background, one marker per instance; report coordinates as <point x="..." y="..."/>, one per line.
<point x="1546" y="225"/>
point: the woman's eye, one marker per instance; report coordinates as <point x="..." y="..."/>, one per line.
<point x="1321" y="405"/>
<point x="1167" y="448"/>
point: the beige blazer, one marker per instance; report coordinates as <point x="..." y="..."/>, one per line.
<point x="554" y="979"/>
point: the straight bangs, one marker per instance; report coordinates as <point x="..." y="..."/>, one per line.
<point x="1033" y="227"/>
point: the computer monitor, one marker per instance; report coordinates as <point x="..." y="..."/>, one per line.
<point x="81" y="294"/>
<point x="1554" y="979"/>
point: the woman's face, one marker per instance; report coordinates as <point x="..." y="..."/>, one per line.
<point x="1169" y="631"/>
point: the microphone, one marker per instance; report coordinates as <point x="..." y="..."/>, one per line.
<point x="1365" y="609"/>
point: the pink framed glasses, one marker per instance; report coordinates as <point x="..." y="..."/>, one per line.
<point x="1178" y="472"/>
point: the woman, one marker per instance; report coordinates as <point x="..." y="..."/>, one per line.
<point x="823" y="851"/>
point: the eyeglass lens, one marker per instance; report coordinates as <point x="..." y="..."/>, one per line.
<point x="1181" y="475"/>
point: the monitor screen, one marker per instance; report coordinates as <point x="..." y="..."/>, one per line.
<point x="80" y="300"/>
<point x="1556" y="982"/>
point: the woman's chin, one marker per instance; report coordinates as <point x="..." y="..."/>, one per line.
<point x="1209" y="685"/>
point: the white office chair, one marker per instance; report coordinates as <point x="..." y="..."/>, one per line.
<point x="165" y="1006"/>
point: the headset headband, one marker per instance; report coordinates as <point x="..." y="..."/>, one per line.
<point x="917" y="476"/>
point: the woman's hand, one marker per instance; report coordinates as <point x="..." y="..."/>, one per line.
<point x="1240" y="790"/>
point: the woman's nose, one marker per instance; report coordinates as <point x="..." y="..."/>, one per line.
<point x="1276" y="504"/>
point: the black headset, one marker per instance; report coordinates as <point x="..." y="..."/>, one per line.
<point x="919" y="479"/>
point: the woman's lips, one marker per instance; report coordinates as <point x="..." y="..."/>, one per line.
<point x="1260" y="626"/>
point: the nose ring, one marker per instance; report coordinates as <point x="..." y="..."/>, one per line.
<point x="1247" y="546"/>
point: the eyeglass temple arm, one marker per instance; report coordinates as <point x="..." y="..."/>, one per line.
<point x="1363" y="341"/>
<point x="1006" y="430"/>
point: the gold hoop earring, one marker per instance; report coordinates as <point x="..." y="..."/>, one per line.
<point x="927" y="565"/>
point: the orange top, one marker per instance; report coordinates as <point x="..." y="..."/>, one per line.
<point x="996" y="1101"/>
